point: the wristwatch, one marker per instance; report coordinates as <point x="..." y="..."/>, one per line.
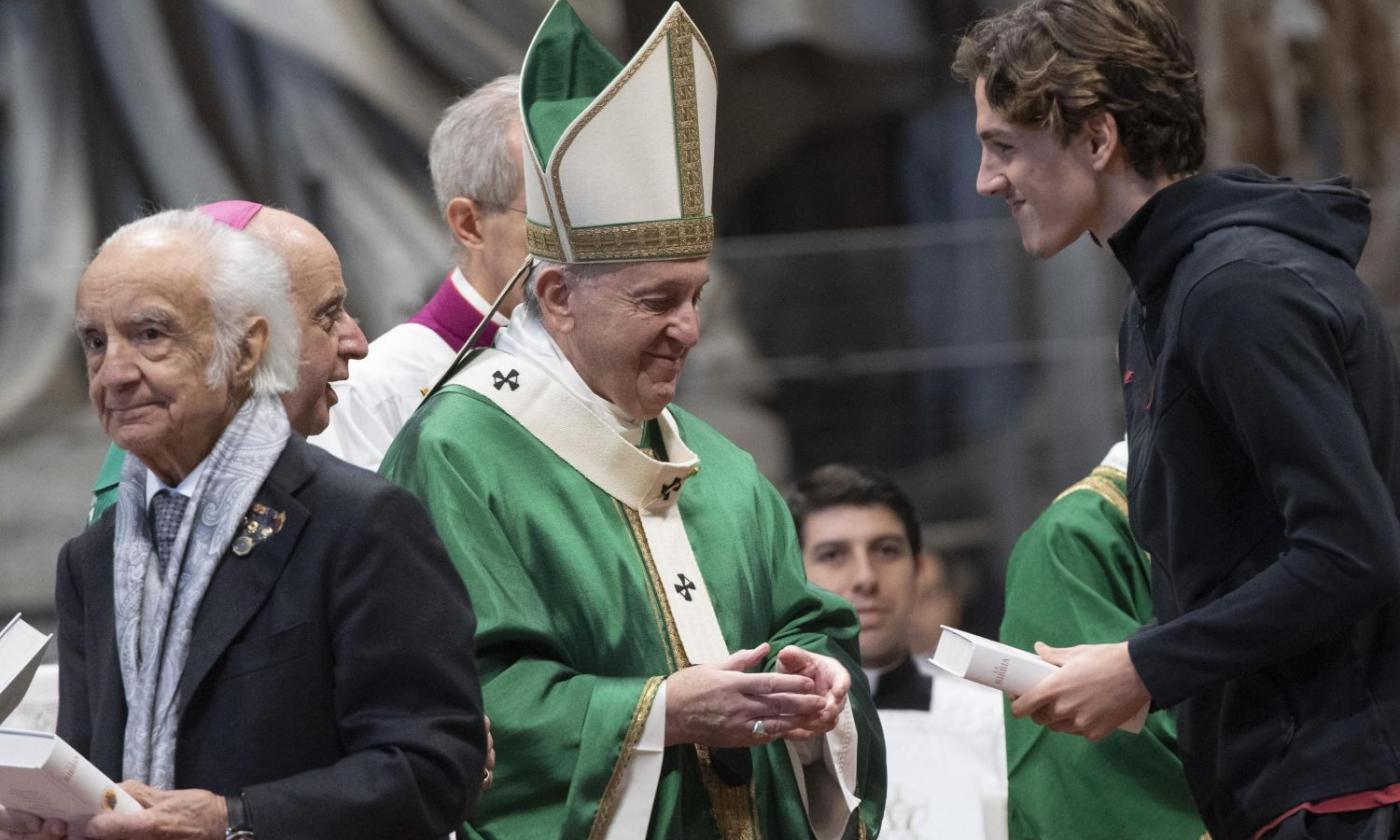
<point x="240" y="820"/>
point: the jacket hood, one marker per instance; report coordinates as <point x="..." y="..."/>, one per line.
<point x="1327" y="215"/>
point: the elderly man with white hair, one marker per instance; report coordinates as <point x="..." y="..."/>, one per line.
<point x="475" y="160"/>
<point x="629" y="565"/>
<point x="251" y="638"/>
<point x="329" y="337"/>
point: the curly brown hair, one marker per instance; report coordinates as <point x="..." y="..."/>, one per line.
<point x="1056" y="63"/>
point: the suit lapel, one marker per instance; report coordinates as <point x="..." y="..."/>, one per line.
<point x="104" y="667"/>
<point x="242" y="584"/>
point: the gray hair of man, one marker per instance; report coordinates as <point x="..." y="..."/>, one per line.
<point x="242" y="278"/>
<point x="469" y="156"/>
<point x="574" y="273"/>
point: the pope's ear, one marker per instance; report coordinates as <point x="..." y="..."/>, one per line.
<point x="552" y="290"/>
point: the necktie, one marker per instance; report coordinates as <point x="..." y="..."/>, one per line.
<point x="167" y="509"/>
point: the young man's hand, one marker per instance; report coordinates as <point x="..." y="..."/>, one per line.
<point x="1096" y="690"/>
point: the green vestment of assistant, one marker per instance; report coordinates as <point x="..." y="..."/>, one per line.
<point x="109" y="477"/>
<point x="577" y="627"/>
<point x="1078" y="577"/>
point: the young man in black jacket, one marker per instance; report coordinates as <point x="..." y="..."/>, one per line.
<point x="1261" y="397"/>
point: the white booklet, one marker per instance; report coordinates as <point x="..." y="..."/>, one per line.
<point x="21" y="649"/>
<point x="39" y="772"/>
<point x="1000" y="666"/>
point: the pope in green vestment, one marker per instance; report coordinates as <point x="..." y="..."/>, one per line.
<point x="575" y="633"/>
<point x="626" y="562"/>
<point x="1077" y="576"/>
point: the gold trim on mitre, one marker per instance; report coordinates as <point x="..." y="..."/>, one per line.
<point x="679" y="34"/>
<point x="668" y="239"/>
<point x="690" y="236"/>
<point x="543" y="242"/>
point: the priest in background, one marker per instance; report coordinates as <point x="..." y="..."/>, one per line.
<point x="654" y="661"/>
<point x="947" y="753"/>
<point x="1077" y="576"/>
<point x="475" y="160"/>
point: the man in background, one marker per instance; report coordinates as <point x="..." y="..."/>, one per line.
<point x="1077" y="576"/>
<point x="948" y="580"/>
<point x="475" y="159"/>
<point x="860" y="539"/>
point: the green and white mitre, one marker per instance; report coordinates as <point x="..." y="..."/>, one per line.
<point x="619" y="158"/>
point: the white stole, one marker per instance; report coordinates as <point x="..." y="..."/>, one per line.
<point x="652" y="488"/>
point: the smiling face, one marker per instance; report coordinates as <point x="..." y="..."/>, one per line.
<point x="862" y="553"/>
<point x="627" y="332"/>
<point x="1051" y="187"/>
<point x="147" y="333"/>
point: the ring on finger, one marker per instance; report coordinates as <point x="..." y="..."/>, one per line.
<point x="758" y="729"/>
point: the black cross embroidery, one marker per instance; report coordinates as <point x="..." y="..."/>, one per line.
<point x="685" y="587"/>
<point x="500" y="380"/>
<point x="668" y="490"/>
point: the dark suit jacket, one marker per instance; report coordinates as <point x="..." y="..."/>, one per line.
<point x="331" y="677"/>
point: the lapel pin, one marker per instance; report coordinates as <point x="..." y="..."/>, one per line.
<point x="259" y="523"/>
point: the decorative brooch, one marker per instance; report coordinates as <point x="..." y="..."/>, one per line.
<point x="259" y="523"/>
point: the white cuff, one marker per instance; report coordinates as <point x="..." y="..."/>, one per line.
<point x="828" y="789"/>
<point x="638" y="789"/>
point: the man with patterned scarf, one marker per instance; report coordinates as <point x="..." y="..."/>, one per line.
<point x="629" y="565"/>
<point x="253" y="638"/>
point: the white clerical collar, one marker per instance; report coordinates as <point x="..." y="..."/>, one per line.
<point x="473" y="297"/>
<point x="1117" y="457"/>
<point x="528" y="339"/>
<point x="185" y="488"/>
<point x="873" y="675"/>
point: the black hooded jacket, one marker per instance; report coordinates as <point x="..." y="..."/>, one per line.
<point x="1263" y="409"/>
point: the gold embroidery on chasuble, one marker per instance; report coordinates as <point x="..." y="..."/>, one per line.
<point x="732" y="805"/>
<point x="1101" y="482"/>
<point x="675" y="652"/>
<point x="629" y="748"/>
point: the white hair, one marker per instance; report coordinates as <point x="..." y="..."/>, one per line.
<point x="574" y="273"/>
<point x="468" y="155"/>
<point x="242" y="278"/>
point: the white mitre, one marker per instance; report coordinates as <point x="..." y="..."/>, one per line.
<point x="620" y="158"/>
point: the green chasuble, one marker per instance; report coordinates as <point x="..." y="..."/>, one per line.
<point x="1076" y="577"/>
<point x="578" y="625"/>
<point x="104" y="489"/>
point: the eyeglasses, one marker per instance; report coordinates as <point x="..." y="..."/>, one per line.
<point x="501" y="207"/>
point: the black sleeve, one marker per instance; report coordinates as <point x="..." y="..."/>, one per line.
<point x="408" y="702"/>
<point x="1271" y="355"/>
<point x="74" y="714"/>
